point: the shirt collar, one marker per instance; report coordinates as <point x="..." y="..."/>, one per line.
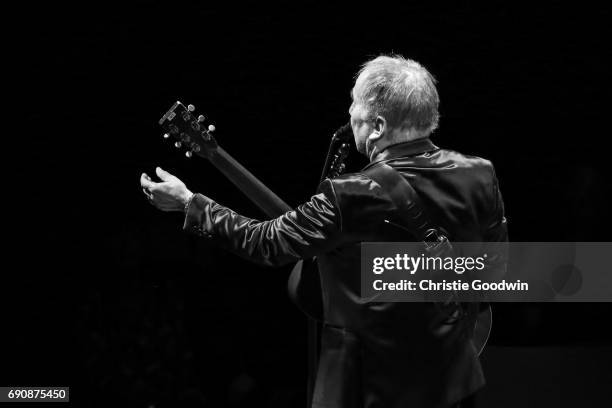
<point x="403" y="149"/>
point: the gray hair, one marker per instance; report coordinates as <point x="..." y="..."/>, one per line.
<point x="400" y="90"/>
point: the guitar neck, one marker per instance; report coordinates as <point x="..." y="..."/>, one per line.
<point x="250" y="185"/>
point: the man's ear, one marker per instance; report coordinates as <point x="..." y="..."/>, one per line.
<point x="380" y="127"/>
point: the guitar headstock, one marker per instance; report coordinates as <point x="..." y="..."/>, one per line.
<point x="188" y="130"/>
<point x="339" y="149"/>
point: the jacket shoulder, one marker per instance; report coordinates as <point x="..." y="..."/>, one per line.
<point x="360" y="200"/>
<point x="351" y="185"/>
<point x="473" y="170"/>
<point x="466" y="160"/>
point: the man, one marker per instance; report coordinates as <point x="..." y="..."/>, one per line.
<point x="372" y="354"/>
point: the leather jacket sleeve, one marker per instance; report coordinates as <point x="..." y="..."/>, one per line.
<point x="311" y="229"/>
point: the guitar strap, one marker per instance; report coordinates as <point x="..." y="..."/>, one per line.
<point x="412" y="213"/>
<point x="413" y="218"/>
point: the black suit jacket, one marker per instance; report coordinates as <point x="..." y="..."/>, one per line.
<point x="376" y="354"/>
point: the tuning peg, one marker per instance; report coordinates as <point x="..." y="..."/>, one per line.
<point x="201" y="118"/>
<point x="211" y="128"/>
<point x="166" y="135"/>
<point x="188" y="154"/>
<point x="190" y="108"/>
<point x="177" y="144"/>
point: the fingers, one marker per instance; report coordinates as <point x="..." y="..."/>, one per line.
<point x="146" y="182"/>
<point x="163" y="174"/>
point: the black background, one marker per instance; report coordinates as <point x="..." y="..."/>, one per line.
<point x="107" y="295"/>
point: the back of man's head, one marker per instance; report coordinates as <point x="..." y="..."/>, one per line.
<point x="400" y="90"/>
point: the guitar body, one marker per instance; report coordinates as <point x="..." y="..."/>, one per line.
<point x="304" y="287"/>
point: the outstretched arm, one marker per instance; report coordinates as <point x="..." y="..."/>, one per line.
<point x="311" y="229"/>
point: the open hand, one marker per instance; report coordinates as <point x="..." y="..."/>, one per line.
<point x="169" y="195"/>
